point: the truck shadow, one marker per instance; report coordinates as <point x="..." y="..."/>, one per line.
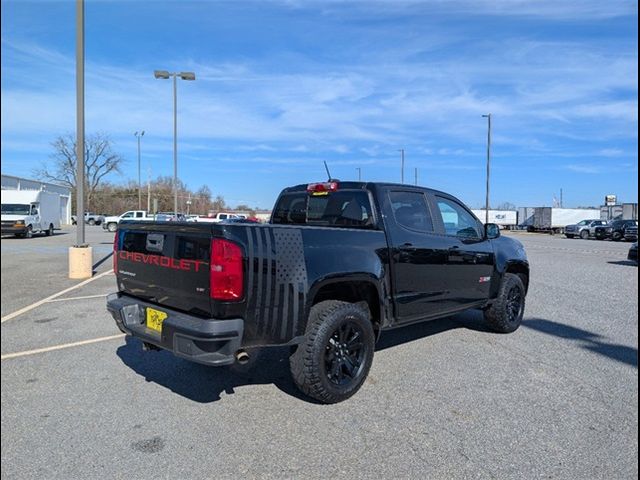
<point x="266" y="366"/>
<point x="587" y="340"/>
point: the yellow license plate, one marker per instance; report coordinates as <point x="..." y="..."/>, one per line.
<point x="155" y="319"/>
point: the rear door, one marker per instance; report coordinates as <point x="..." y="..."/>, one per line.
<point x="469" y="259"/>
<point x="168" y="267"/>
<point x="418" y="255"/>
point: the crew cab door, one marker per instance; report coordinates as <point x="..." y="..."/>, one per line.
<point x="467" y="254"/>
<point x="417" y="262"/>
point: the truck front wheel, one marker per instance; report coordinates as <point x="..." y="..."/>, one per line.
<point x="506" y="312"/>
<point x="334" y="360"/>
<point x="112" y="227"/>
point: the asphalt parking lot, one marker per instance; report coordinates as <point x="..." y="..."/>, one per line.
<point x="446" y="399"/>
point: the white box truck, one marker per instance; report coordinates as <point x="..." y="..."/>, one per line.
<point x="503" y="218"/>
<point x="25" y="212"/>
<point x="548" y="219"/>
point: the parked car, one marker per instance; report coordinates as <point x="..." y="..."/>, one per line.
<point x="583" y="229"/>
<point x="631" y="233"/>
<point x="338" y="264"/>
<point x="633" y="252"/>
<point x="619" y="229"/>
<point x="111" y="223"/>
<point x="89" y="218"/>
<point x="170" y="217"/>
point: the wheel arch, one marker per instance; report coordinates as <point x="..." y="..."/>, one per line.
<point x="356" y="288"/>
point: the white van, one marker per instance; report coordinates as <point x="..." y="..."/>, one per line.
<point x="25" y="212"/>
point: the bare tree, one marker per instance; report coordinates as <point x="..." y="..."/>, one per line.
<point x="100" y="160"/>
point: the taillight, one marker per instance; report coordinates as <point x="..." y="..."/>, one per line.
<point x="226" y="276"/>
<point x="115" y="253"/>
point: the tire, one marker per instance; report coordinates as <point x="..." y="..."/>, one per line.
<point x="506" y="312"/>
<point x="91" y="221"/>
<point x="331" y="364"/>
<point x="49" y="232"/>
<point x="112" y="227"/>
<point x="584" y="234"/>
<point x="28" y="233"/>
<point x="616" y="236"/>
<point x="568" y="235"/>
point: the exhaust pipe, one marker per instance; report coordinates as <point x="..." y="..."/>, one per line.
<point x="242" y="357"/>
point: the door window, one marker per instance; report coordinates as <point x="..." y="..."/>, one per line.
<point x="410" y="210"/>
<point x="457" y="220"/>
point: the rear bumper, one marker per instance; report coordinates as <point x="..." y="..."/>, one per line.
<point x="206" y="341"/>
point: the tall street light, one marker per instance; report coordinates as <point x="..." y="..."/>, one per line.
<point x="488" y="117"/>
<point x="359" y="173"/>
<point x="138" y="136"/>
<point x="401" y="165"/>
<point x="165" y="75"/>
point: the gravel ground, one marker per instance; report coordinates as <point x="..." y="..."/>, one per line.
<point x="445" y="399"/>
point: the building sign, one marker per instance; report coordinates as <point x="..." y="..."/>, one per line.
<point x="610" y="200"/>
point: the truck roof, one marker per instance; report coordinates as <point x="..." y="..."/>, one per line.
<point x="23" y="196"/>
<point x="364" y="186"/>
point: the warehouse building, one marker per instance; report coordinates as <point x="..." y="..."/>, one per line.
<point x="10" y="182"/>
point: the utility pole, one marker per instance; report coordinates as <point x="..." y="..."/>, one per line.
<point x="148" y="189"/>
<point x="416" y="175"/>
<point x="401" y="165"/>
<point x="561" y="200"/>
<point x="359" y="173"/>
<point x="488" y="117"/>
<point x="138" y="136"/>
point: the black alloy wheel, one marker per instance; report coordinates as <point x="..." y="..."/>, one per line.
<point x="333" y="361"/>
<point x="345" y="354"/>
<point x="514" y="303"/>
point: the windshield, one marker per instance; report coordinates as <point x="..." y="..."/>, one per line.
<point x="344" y="208"/>
<point x="15" y="209"/>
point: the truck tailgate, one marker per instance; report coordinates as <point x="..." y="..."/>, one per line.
<point x="167" y="264"/>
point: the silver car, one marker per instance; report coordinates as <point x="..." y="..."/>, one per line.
<point x="583" y="229"/>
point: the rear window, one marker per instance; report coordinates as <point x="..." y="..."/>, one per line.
<point x="344" y="208"/>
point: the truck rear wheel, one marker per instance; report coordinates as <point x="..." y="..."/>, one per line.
<point x="334" y="360"/>
<point x="506" y="312"/>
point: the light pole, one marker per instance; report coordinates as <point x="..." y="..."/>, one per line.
<point x="165" y="75"/>
<point x="80" y="147"/>
<point x="488" y="117"/>
<point x="416" y="175"/>
<point x="359" y="173"/>
<point x="401" y="165"/>
<point x="138" y="136"/>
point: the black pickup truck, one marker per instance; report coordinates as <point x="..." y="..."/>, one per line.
<point x="339" y="263"/>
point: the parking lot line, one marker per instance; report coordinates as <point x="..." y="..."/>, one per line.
<point x="77" y="298"/>
<point x="60" y="347"/>
<point x="51" y="297"/>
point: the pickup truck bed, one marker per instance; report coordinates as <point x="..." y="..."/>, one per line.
<point x="361" y="258"/>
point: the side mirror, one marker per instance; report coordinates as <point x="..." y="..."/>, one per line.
<point x="491" y="231"/>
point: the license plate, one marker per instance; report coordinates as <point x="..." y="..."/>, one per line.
<point x="155" y="319"/>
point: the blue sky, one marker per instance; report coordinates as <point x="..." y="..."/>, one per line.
<point x="283" y="85"/>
